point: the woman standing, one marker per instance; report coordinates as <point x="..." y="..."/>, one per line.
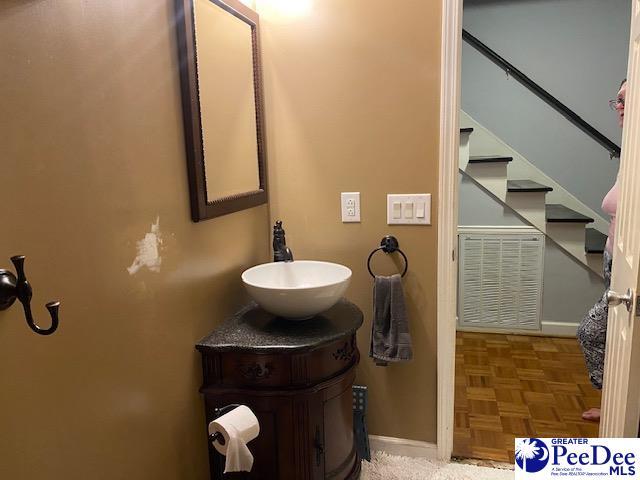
<point x="592" y="332"/>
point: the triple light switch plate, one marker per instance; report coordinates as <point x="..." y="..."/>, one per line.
<point x="409" y="209"/>
<point x="404" y="209"/>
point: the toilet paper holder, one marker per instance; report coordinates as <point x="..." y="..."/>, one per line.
<point x="218" y="412"/>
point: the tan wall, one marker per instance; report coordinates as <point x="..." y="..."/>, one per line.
<point x="91" y="153"/>
<point x="352" y="93"/>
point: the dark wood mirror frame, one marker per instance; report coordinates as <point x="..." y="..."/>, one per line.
<point x="201" y="208"/>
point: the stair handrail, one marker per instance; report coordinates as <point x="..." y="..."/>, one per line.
<point x="570" y="115"/>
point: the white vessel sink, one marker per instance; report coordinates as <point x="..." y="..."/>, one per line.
<point x="298" y="289"/>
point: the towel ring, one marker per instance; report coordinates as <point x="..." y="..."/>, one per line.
<point x="388" y="244"/>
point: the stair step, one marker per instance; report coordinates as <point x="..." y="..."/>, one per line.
<point x="489" y="159"/>
<point x="526" y="186"/>
<point x="559" y="213"/>
<point x="466" y="130"/>
<point x="595" y="241"/>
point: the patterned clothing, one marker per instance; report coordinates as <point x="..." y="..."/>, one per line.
<point x="592" y="332"/>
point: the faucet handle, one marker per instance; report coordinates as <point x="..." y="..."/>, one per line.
<point x="281" y="253"/>
<point x="278" y="231"/>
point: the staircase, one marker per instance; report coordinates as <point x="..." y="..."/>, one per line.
<point x="565" y="220"/>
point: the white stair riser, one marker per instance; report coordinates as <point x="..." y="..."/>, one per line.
<point x="594" y="261"/>
<point x="486" y="143"/>
<point x="492" y="176"/>
<point x="531" y="206"/>
<point x="463" y="159"/>
<point x="570" y="236"/>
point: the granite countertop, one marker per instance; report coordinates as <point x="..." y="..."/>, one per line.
<point x="254" y="330"/>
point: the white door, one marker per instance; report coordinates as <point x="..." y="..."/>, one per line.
<point x="621" y="392"/>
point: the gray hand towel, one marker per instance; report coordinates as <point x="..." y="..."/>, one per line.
<point x="390" y="338"/>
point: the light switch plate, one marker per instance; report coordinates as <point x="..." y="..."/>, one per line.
<point x="350" y="206"/>
<point x="420" y="209"/>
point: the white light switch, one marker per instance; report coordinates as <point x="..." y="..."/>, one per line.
<point x="409" y="209"/>
<point x="397" y="210"/>
<point x="350" y="206"/>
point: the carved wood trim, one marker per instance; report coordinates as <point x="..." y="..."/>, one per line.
<point x="256" y="371"/>
<point x="346" y="352"/>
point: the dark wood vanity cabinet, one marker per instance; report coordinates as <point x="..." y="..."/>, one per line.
<point x="297" y="378"/>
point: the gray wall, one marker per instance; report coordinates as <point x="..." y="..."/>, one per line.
<point x="569" y="288"/>
<point x="577" y="50"/>
<point x="479" y="208"/>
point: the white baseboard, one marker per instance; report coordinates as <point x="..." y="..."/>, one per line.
<point x="403" y="447"/>
<point x="505" y="331"/>
<point x="549" y="329"/>
<point x="558" y="329"/>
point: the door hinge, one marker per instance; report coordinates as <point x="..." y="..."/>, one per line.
<point x="453" y="255"/>
<point x="637" y="305"/>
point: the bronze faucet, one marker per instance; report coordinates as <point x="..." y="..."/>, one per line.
<point x="281" y="253"/>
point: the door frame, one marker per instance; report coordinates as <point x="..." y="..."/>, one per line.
<point x="447" y="282"/>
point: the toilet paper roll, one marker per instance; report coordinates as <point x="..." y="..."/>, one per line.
<point x="239" y="423"/>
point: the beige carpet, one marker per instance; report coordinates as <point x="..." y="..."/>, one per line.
<point x="390" y="467"/>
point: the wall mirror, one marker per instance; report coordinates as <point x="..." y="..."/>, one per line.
<point x="218" y="47"/>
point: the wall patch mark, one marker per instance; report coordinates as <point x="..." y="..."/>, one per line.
<point x="148" y="251"/>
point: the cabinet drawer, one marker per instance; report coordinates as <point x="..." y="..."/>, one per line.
<point x="328" y="361"/>
<point x="251" y="369"/>
<point x="244" y="369"/>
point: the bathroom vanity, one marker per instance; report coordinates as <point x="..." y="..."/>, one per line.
<point x="296" y="376"/>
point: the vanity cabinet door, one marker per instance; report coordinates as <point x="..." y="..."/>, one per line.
<point x="340" y="454"/>
<point x="273" y="449"/>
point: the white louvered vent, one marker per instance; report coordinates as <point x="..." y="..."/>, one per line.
<point x="500" y="278"/>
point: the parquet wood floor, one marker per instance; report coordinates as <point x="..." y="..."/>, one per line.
<point x="510" y="386"/>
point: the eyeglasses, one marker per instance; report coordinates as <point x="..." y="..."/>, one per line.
<point x="615" y="103"/>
